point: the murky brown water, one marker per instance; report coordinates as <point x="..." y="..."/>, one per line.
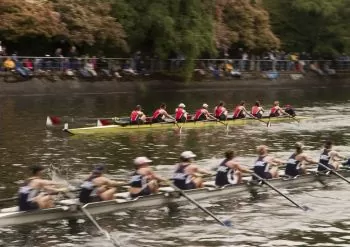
<point x="269" y="221"/>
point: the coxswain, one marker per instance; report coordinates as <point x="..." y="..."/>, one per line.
<point x="35" y="192"/>
<point x="220" y="111"/>
<point x="290" y="110"/>
<point x="240" y="111"/>
<point x="97" y="187"/>
<point x="161" y="114"/>
<point x="257" y="110"/>
<point x="262" y="164"/>
<point x="186" y="173"/>
<point x="203" y="114"/>
<point x="143" y="181"/>
<point x="180" y="113"/>
<point x="137" y="116"/>
<point x="329" y="158"/>
<point x="229" y="171"/>
<point x="276" y="110"/>
<point x="297" y="161"/>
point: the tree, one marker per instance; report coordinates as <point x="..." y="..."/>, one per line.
<point x="243" y="22"/>
<point x="315" y="26"/>
<point x="28" y="18"/>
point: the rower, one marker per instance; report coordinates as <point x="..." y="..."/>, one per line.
<point x="161" y="114"/>
<point x="240" y="111"/>
<point x="262" y="164"/>
<point x="290" y="110"/>
<point x="97" y="187"/>
<point x="220" y="111"/>
<point x="180" y="113"/>
<point x="328" y="157"/>
<point x="29" y="194"/>
<point x="143" y="181"/>
<point x="257" y="110"/>
<point x="203" y="114"/>
<point x="276" y="110"/>
<point x="296" y="162"/>
<point x="185" y="176"/>
<point x="229" y="171"/>
<point x="137" y="116"/>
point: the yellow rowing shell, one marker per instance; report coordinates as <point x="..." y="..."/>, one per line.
<point x="190" y="125"/>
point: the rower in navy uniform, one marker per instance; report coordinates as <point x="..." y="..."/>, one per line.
<point x="262" y="164"/>
<point x="296" y="164"/>
<point x="185" y="176"/>
<point x="30" y="194"/>
<point x="229" y="171"/>
<point x="97" y="187"/>
<point x="143" y="181"/>
<point x="329" y="157"/>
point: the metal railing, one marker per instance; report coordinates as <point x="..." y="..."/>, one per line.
<point x="37" y="64"/>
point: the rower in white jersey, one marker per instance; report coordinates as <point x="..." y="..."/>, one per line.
<point x="229" y="170"/>
<point x="329" y="157"/>
<point x="262" y="164"/>
<point x="296" y="164"/>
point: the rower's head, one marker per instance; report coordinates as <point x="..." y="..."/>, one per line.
<point x="221" y="103"/>
<point x="299" y="147"/>
<point x="276" y="103"/>
<point x="257" y="103"/>
<point x="328" y="144"/>
<point x="262" y="149"/>
<point x="138" y="108"/>
<point x="142" y="162"/>
<point x="98" y="169"/>
<point x="182" y="105"/>
<point x="205" y="105"/>
<point x="37" y="170"/>
<point x="230" y="154"/>
<point x="187" y="156"/>
<point x="287" y="106"/>
<point x="162" y="106"/>
<point x="242" y="103"/>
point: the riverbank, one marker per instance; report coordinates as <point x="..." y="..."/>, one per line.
<point x="44" y="85"/>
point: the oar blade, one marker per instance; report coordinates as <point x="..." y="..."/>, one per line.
<point x="228" y="223"/>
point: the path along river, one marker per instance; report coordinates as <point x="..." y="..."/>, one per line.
<point x="268" y="221"/>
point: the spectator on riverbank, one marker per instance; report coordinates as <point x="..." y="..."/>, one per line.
<point x="73" y="58"/>
<point x="28" y="64"/>
<point x="9" y="64"/>
<point x="1" y="49"/>
<point x="89" y="67"/>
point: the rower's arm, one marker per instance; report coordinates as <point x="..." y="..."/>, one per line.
<point x="275" y="161"/>
<point x="169" y="116"/>
<point x="310" y="160"/>
<point x="335" y="154"/>
<point x="240" y="168"/>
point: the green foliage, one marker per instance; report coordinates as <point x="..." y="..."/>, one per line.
<point x="316" y="26"/>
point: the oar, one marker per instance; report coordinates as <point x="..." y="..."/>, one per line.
<point x="305" y="208"/>
<point x="335" y="172"/>
<point x="223" y="223"/>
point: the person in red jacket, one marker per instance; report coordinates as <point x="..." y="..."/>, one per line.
<point x="257" y="110"/>
<point x="240" y="111"/>
<point x="161" y="114"/>
<point x="220" y="112"/>
<point x="137" y="116"/>
<point x="203" y="114"/>
<point x="180" y="113"/>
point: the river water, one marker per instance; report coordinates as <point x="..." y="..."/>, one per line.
<point x="266" y="221"/>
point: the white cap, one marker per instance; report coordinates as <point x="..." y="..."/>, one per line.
<point x="142" y="160"/>
<point x="182" y="105"/>
<point x="187" y="155"/>
<point x="205" y="105"/>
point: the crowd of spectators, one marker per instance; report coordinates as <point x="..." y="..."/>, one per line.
<point x="233" y="65"/>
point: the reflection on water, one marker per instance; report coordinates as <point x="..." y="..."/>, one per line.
<point x="268" y="221"/>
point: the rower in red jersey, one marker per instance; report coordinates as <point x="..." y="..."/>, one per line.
<point x="161" y="114"/>
<point x="220" y="111"/>
<point x="180" y="113"/>
<point x="257" y="110"/>
<point x="276" y="110"/>
<point x="240" y="111"/>
<point x="203" y="114"/>
<point x="137" y="116"/>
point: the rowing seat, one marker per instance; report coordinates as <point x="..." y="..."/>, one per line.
<point x="9" y="210"/>
<point x="209" y="184"/>
<point x="166" y="189"/>
<point x="122" y="195"/>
